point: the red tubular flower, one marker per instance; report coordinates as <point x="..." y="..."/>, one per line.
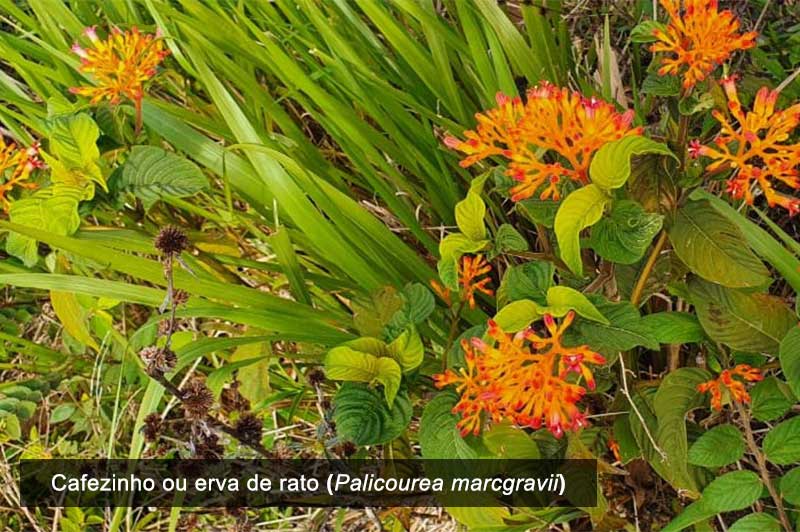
<point x="566" y="125"/>
<point x="757" y="149"/>
<point x="735" y="387"/>
<point x="120" y="65"/>
<point x="521" y="377"/>
<point x="698" y="40"/>
<point x="469" y="272"/>
<point x="16" y="165"/>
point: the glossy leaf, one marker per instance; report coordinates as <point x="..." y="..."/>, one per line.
<point x="581" y="209"/>
<point x="611" y="165"/>
<point x="363" y="417"/>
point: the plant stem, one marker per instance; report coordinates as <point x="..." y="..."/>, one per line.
<point x="638" y="288"/>
<point x="137" y="104"/>
<point x="762" y="467"/>
<point x="452" y="334"/>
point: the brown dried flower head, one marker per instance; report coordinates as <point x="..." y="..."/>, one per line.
<point x="197" y="399"/>
<point x="152" y="427"/>
<point x="248" y="428"/>
<point x="158" y="360"/>
<point x="171" y="240"/>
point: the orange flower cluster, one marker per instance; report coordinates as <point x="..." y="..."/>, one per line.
<point x="553" y="120"/>
<point x="757" y="149"/>
<point x="522" y="377"/>
<point x="736" y="387"/>
<point x="470" y="270"/>
<point x="700" y="39"/>
<point x="16" y="165"/>
<point x="120" y="65"/>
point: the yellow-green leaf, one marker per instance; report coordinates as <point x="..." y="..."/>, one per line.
<point x="71" y="315"/>
<point x="581" y="209"/>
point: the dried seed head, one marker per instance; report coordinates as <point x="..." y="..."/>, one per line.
<point x="346" y="449"/>
<point x="315" y="376"/>
<point x="158" y="360"/>
<point x="197" y="399"/>
<point x="165" y="328"/>
<point x="248" y="429"/>
<point x="171" y="240"/>
<point x="231" y="400"/>
<point x="208" y="447"/>
<point x="152" y="427"/>
<point x="180" y="297"/>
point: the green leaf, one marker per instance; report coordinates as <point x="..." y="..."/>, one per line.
<point x="625" y="234"/>
<point x="346" y="364"/>
<point x="665" y="86"/>
<point x="73" y="317"/>
<point x="540" y="211"/>
<point x="770" y="399"/>
<point x="645" y="31"/>
<point x="714" y="248"/>
<point x="731" y="492"/>
<point x="363" y="417"/>
<point x="73" y="140"/>
<point x="758" y="522"/>
<point x="581" y="209"/>
<point x="419" y="303"/>
<point x="562" y="299"/>
<point x="782" y="443"/>
<point x="624" y="330"/>
<point x="450" y="250"/>
<point x="438" y="435"/>
<point x="509" y="239"/>
<point x="151" y="173"/>
<point x="54" y="209"/>
<point x="61" y="413"/>
<point x="674" y="327"/>
<point x="790" y="359"/>
<point x="676" y="396"/>
<point x="611" y="165"/>
<point x="720" y="446"/>
<point x="790" y="486"/>
<point x="12" y="424"/>
<point x="518" y="315"/>
<point x="530" y="280"/>
<point x="469" y="216"/>
<point x="407" y="349"/>
<point x="506" y="441"/>
<point x="753" y="323"/>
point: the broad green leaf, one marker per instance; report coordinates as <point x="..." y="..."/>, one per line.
<point x="517" y="315"/>
<point x="645" y="31"/>
<point x="770" y="399"/>
<point x="506" y="441"/>
<point x="782" y="443"/>
<point x="562" y="299"/>
<point x="530" y="280"/>
<point x="363" y="417"/>
<point x="731" y="492"/>
<point x="581" y="209"/>
<point x="73" y="146"/>
<point x="674" y="327"/>
<point x="469" y="216"/>
<point x="790" y="359"/>
<point x="253" y="378"/>
<point x="611" y="165"/>
<point x="509" y="239"/>
<point x="61" y="413"/>
<point x="418" y="304"/>
<point x="625" y="234"/>
<point x="407" y="349"/>
<point x="758" y="522"/>
<point x="623" y="330"/>
<point x="451" y="248"/>
<point x="720" y="446"/>
<point x="73" y="140"/>
<point x="73" y="317"/>
<point x="438" y="435"/>
<point x="54" y="209"/>
<point x="790" y="486"/>
<point x="540" y="211"/>
<point x="657" y="85"/>
<point x="745" y="322"/>
<point x="714" y="248"/>
<point x="151" y="173"/>
<point x="676" y="396"/>
<point x="346" y="364"/>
